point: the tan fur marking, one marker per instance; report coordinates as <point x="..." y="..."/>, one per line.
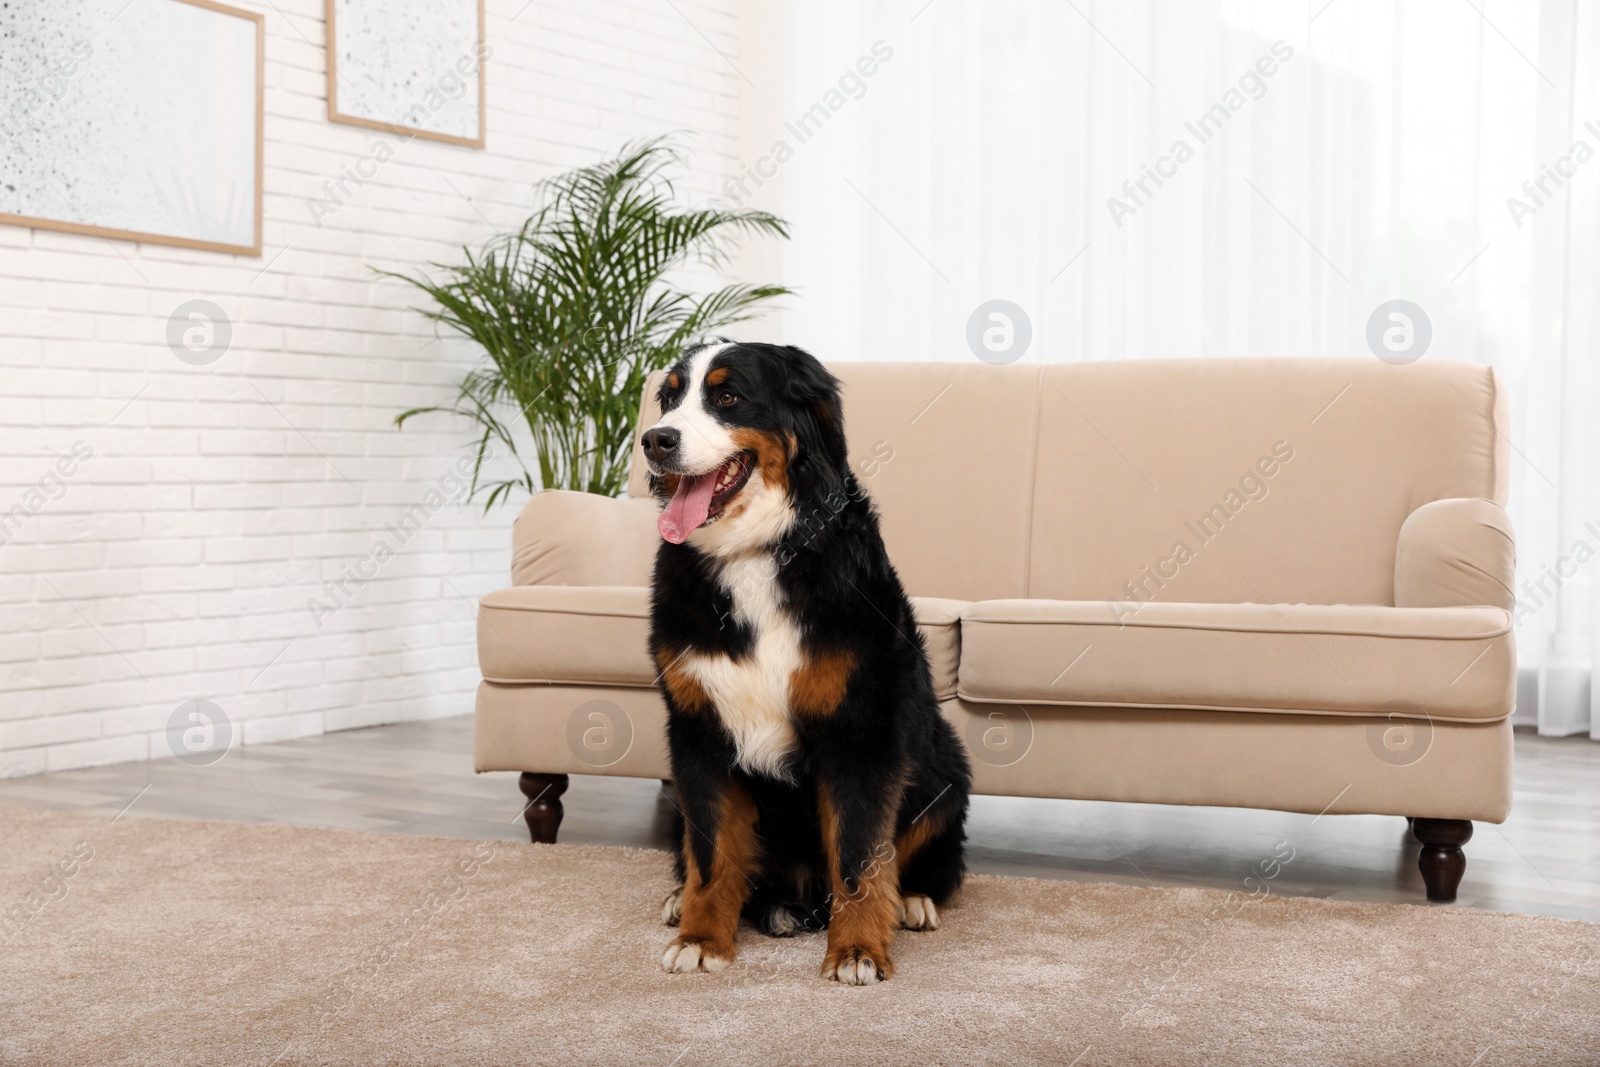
<point x="818" y="686"/>
<point x="711" y="908"/>
<point x="718" y="376"/>
<point x="673" y="380"/>
<point x="916" y="835"/>
<point x="861" y="923"/>
<point x="772" y="456"/>
<point x="685" y="689"/>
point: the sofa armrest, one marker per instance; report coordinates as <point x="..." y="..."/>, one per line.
<point x="568" y="538"/>
<point x="1454" y="553"/>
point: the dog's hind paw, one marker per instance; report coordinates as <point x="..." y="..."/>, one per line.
<point x="779" y="920"/>
<point x="672" y="907"/>
<point x="686" y="955"/>
<point x="793" y="917"/>
<point x="918" y="913"/>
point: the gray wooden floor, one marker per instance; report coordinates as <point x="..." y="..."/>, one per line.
<point x="417" y="778"/>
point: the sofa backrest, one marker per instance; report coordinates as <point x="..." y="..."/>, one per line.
<point x="1283" y="480"/>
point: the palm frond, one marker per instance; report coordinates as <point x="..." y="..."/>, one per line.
<point x="574" y="310"/>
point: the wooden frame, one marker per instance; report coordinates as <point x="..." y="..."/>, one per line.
<point x="253" y="249"/>
<point x="335" y="115"/>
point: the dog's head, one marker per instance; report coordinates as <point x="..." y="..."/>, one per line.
<point x="751" y="435"/>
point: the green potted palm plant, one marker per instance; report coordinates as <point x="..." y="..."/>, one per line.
<point x="574" y="310"/>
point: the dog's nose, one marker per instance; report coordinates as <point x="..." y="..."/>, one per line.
<point x="660" y="442"/>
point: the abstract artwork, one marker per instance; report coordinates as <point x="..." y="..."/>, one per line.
<point x="414" y="68"/>
<point x="134" y="121"/>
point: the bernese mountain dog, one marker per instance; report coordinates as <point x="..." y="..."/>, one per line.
<point x="817" y="783"/>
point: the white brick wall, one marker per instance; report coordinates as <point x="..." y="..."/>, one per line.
<point x="218" y="499"/>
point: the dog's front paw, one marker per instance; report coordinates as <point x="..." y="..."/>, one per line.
<point x="686" y="955"/>
<point x="853" y="965"/>
<point x="918" y="913"/>
<point x="672" y="907"/>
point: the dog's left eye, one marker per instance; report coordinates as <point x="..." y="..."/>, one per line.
<point x="726" y="399"/>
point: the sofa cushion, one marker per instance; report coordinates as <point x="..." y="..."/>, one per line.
<point x="1225" y="480"/>
<point x="1452" y="664"/>
<point x="598" y="634"/>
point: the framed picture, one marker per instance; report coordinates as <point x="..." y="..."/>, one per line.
<point x="138" y="122"/>
<point x="413" y="68"/>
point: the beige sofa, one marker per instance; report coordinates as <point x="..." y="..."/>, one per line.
<point x="1268" y="583"/>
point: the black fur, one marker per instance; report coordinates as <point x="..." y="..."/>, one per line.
<point x="843" y="593"/>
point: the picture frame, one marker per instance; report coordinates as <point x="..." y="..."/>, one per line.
<point x="202" y="211"/>
<point x="399" y="97"/>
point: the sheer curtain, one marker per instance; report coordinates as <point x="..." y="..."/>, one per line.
<point x="1183" y="179"/>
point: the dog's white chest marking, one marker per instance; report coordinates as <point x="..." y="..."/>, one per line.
<point x="751" y="694"/>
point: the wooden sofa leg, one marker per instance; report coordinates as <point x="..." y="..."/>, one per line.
<point x="543" y="812"/>
<point x="1442" y="862"/>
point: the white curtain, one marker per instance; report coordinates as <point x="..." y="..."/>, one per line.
<point x="1340" y="154"/>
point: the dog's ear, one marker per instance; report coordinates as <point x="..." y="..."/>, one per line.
<point x="816" y="393"/>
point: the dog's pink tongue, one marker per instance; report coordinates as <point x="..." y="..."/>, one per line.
<point x="688" y="508"/>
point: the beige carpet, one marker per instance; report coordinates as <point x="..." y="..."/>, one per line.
<point x="161" y="942"/>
